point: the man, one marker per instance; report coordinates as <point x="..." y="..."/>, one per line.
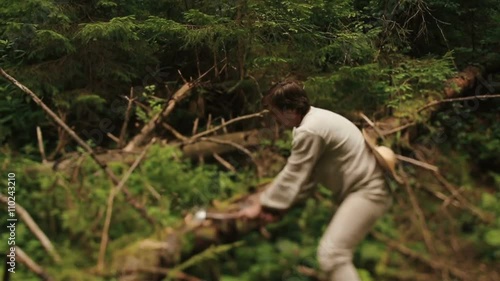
<point x="328" y="149"/>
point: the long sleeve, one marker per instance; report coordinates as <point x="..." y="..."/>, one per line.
<point x="296" y="177"/>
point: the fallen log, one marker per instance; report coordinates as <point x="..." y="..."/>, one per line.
<point x="199" y="148"/>
<point x="174" y="246"/>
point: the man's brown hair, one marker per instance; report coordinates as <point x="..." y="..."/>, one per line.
<point x="287" y="95"/>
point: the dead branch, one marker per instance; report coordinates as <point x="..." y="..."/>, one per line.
<point x="456" y="199"/>
<point x="228" y="142"/>
<point x="234" y="120"/>
<point x="397" y="129"/>
<point x="146" y="132"/>
<point x="420" y="164"/>
<point x="113" y="137"/>
<point x="23" y="258"/>
<point x="432" y="263"/>
<point x="223" y="122"/>
<point x="174" y="131"/>
<point x="455" y="193"/>
<point x="198" y="147"/>
<point x="195" y="147"/>
<point x="153" y="191"/>
<point x="148" y="129"/>
<point x="33" y="227"/>
<point x="434" y="103"/>
<point x="224" y="162"/>
<point x="209" y="121"/>
<point x="442" y="196"/>
<point x="109" y="210"/>
<point x="40" y="144"/>
<point x="375" y="128"/>
<point x="82" y="143"/>
<point x="237" y="146"/>
<point x="419" y="216"/>
<point x="195" y="125"/>
<point x="127" y="118"/>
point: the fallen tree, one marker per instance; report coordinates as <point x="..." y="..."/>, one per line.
<point x="204" y="146"/>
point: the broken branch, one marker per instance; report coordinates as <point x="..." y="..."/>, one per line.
<point x="224" y="124"/>
<point x="127" y="118"/>
<point x="23" y="258"/>
<point x="436" y="265"/>
<point x="33" y="227"/>
<point x="109" y="210"/>
<point x="434" y="103"/>
<point x="82" y="143"/>
<point x="40" y="144"/>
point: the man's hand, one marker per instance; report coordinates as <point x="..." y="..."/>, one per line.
<point x="254" y="210"/>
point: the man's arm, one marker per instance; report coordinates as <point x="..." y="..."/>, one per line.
<point x="296" y="177"/>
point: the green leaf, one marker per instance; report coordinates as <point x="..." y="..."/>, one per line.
<point x="492" y="237"/>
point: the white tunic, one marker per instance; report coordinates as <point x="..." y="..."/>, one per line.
<point x="329" y="149"/>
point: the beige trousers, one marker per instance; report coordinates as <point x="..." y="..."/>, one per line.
<point x="353" y="219"/>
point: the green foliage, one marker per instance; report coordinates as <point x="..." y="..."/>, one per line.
<point x="402" y="85"/>
<point x="78" y="206"/>
<point x="48" y="43"/>
<point x="121" y="29"/>
<point x="363" y="55"/>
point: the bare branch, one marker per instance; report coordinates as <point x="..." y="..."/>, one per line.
<point x="40" y="144"/>
<point x="127" y="118"/>
<point x="397" y="129"/>
<point x="209" y="121"/>
<point x="420" y="164"/>
<point x="82" y="143"/>
<point x="33" y="227"/>
<point x="224" y="129"/>
<point x="455" y="193"/>
<point x="420" y="217"/>
<point x="381" y="135"/>
<point x="234" y="120"/>
<point x="195" y="125"/>
<point x="148" y="129"/>
<point x="174" y="131"/>
<point x="23" y="258"/>
<point x="111" y="136"/>
<point x="109" y="210"/>
<point x="224" y="162"/>
<point x="434" y="103"/>
<point x="237" y="146"/>
<point x="182" y="77"/>
<point x="433" y="263"/>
